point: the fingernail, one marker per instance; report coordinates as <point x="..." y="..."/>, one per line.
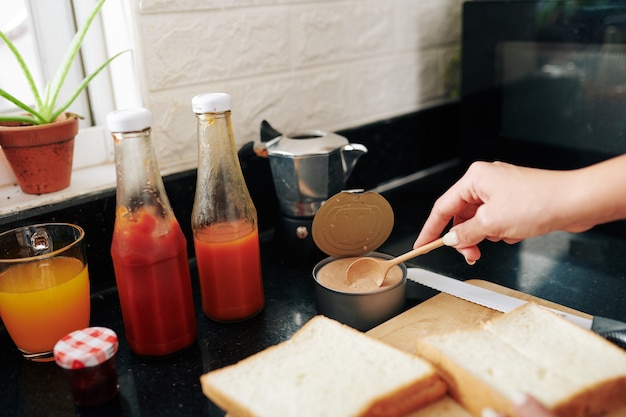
<point x="450" y="239"/>
<point x="489" y="412"/>
<point x="518" y="397"/>
<point x="470" y="262"/>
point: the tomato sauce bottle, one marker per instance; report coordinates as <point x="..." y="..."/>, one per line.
<point x="149" y="249"/>
<point x="224" y="219"/>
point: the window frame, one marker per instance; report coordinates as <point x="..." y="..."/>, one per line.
<point x="115" y="87"/>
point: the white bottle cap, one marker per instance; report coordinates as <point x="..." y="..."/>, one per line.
<point x="211" y="103"/>
<point x="129" y="120"/>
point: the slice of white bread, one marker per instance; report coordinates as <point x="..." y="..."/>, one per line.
<point x="325" y="369"/>
<point x="444" y="407"/>
<point x="572" y="371"/>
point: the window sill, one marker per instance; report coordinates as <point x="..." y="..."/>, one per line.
<point x="85" y="181"/>
<point x="94" y="171"/>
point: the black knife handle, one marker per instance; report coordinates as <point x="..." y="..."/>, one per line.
<point x="616" y="336"/>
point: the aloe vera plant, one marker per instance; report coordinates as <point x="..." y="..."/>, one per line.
<point x="46" y="109"/>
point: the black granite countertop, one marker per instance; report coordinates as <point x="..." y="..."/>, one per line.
<point x="585" y="271"/>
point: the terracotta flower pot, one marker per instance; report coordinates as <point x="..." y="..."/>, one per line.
<point x="40" y="156"/>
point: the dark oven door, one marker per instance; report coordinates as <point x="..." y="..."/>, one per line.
<point x="543" y="82"/>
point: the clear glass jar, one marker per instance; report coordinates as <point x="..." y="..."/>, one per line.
<point x="224" y="219"/>
<point x="149" y="249"/>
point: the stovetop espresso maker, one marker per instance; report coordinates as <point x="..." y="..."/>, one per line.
<point x="307" y="168"/>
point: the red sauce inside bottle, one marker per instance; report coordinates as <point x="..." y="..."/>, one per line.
<point x="154" y="284"/>
<point x="229" y="267"/>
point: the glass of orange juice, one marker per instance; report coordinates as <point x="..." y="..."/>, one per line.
<point x="44" y="286"/>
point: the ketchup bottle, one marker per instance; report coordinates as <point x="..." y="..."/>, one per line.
<point x="149" y="249"/>
<point x="224" y="219"/>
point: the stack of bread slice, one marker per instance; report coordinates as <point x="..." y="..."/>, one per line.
<point x="531" y="350"/>
<point x="325" y="369"/>
<point x="329" y="369"/>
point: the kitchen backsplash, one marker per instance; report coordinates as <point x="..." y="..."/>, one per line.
<point x="321" y="64"/>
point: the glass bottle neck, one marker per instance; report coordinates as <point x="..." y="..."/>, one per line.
<point x="221" y="192"/>
<point x="218" y="162"/>
<point x="139" y="181"/>
<point x="215" y="135"/>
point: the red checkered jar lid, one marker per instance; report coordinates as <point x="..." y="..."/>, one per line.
<point x="85" y="348"/>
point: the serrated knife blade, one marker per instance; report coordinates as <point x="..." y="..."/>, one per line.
<point x="613" y="330"/>
<point x="478" y="295"/>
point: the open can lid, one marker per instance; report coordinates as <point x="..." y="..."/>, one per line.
<point x="85" y="348"/>
<point x="352" y="223"/>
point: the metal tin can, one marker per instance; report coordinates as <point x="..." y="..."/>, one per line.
<point x="361" y="310"/>
<point x="354" y="224"/>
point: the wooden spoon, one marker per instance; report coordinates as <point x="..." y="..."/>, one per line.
<point x="376" y="269"/>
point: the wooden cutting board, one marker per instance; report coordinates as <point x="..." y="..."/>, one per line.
<point x="445" y="313"/>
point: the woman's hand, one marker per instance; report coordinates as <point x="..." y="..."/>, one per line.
<point x="525" y="406"/>
<point x="499" y="201"/>
<point x="530" y="407"/>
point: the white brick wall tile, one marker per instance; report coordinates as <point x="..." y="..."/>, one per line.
<point x="247" y="3"/>
<point x="300" y="64"/>
<point x="437" y="25"/>
<point x="340" y="32"/>
<point x="167" y="6"/>
<point x="380" y="88"/>
<point x="204" y="47"/>
<point x="430" y="73"/>
<point x="174" y="129"/>
<point x="295" y="102"/>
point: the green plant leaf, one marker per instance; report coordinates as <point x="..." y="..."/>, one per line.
<point x="25" y="70"/>
<point x="22" y="118"/>
<point x="83" y="85"/>
<point x="46" y="110"/>
<point x="57" y="82"/>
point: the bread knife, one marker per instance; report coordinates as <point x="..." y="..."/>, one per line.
<point x="613" y="330"/>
